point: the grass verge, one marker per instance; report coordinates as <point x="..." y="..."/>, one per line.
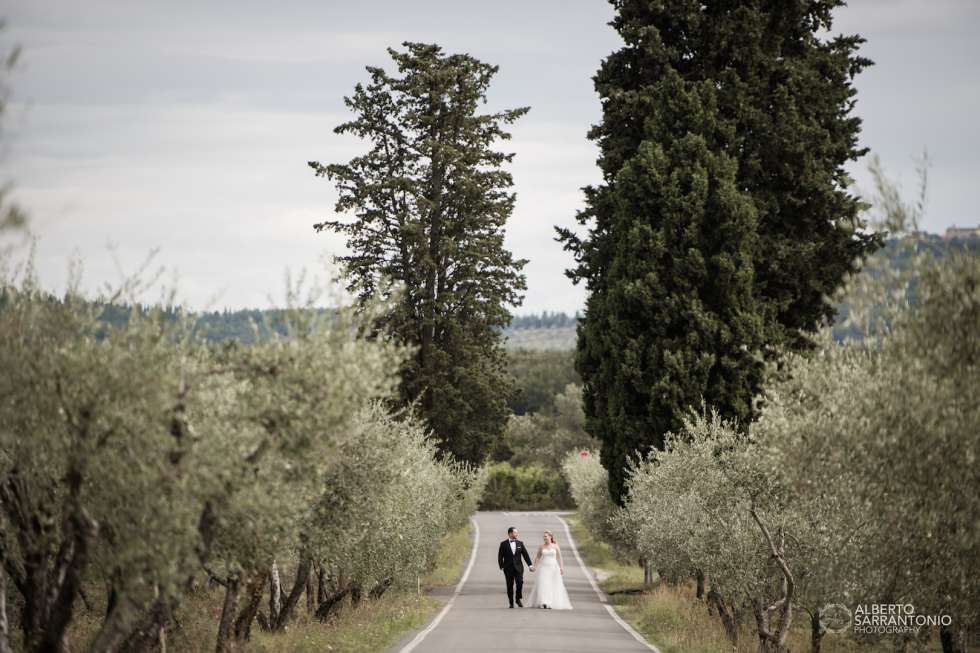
<point x="375" y="625"/>
<point x="672" y="618"/>
<point x="371" y="627"/>
<point x="454" y="551"/>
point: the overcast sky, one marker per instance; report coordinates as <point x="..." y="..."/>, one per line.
<point x="187" y="125"/>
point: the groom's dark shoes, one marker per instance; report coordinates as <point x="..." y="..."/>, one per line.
<point x="519" y="604"/>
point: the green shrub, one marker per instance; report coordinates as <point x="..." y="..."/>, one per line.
<point x="530" y="487"/>
<point x="543" y="438"/>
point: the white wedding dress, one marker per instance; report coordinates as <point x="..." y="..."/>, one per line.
<point x="549" y="587"/>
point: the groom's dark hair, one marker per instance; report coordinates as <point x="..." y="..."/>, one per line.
<point x="511" y="529"/>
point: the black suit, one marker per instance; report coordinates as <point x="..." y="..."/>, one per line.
<point x="512" y="566"/>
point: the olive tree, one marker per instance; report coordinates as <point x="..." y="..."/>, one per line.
<point x="385" y="503"/>
<point x="138" y="456"/>
<point x="881" y="434"/>
<point x="906" y="448"/>
<point x="733" y="528"/>
<point x="95" y="463"/>
<point x="297" y="395"/>
<point x="587" y="479"/>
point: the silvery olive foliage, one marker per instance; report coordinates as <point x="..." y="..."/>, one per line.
<point x="803" y="439"/>
<point x="388" y="502"/>
<point x="709" y="501"/>
<point x="292" y="403"/>
<point x="688" y="478"/>
<point x="589" y="484"/>
<point x="886" y="285"/>
<point x="99" y="468"/>
<point x="913" y="436"/>
<point x="139" y="461"/>
<point x="858" y="484"/>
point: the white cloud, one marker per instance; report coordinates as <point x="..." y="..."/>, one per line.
<point x="187" y="126"/>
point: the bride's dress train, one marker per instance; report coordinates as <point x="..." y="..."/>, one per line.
<point x="549" y="586"/>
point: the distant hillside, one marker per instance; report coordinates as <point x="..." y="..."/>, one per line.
<point x="246" y="325"/>
<point x="557" y="338"/>
<point x="545" y="331"/>
<point x="556" y="331"/>
<point x="545" y="320"/>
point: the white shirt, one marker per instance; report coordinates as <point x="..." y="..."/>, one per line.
<point x="513" y="547"/>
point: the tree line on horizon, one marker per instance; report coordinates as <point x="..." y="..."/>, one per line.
<point x="251" y="325"/>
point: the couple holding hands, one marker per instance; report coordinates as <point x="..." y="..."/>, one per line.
<point x="549" y="587"/>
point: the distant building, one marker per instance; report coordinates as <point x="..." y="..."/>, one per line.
<point x="964" y="233"/>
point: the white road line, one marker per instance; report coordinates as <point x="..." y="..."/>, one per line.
<point x="602" y="597"/>
<point x="459" y="587"/>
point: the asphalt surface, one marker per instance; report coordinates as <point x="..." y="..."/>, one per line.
<point x="476" y="617"/>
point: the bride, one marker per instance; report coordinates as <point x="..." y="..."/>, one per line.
<point x="549" y="588"/>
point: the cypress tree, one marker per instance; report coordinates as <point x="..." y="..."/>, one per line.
<point x="723" y="222"/>
<point x="429" y="201"/>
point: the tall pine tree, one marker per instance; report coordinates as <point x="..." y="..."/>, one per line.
<point x="429" y="201"/>
<point x="701" y="258"/>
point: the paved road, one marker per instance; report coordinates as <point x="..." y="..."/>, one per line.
<point x="477" y="617"/>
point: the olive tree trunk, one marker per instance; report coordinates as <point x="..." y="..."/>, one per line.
<point x="717" y="602"/>
<point x="647" y="573"/>
<point x="254" y="589"/>
<point x="769" y="641"/>
<point x="48" y="584"/>
<point x="4" y="625"/>
<point x="228" y="610"/>
<point x="275" y="593"/>
<point x="952" y="640"/>
<point x="816" y="632"/>
<point x="299" y="586"/>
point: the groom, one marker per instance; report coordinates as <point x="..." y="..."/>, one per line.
<point x="509" y="558"/>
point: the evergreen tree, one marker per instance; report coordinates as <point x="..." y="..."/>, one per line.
<point x="430" y="200"/>
<point x="723" y="222"/>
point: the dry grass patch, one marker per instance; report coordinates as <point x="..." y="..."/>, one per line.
<point x="617" y="575"/>
<point x="454" y="550"/>
<point x="676" y="622"/>
<point x="371" y="627"/>
<point x="671" y="616"/>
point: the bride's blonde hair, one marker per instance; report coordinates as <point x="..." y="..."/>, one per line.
<point x="551" y="536"/>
